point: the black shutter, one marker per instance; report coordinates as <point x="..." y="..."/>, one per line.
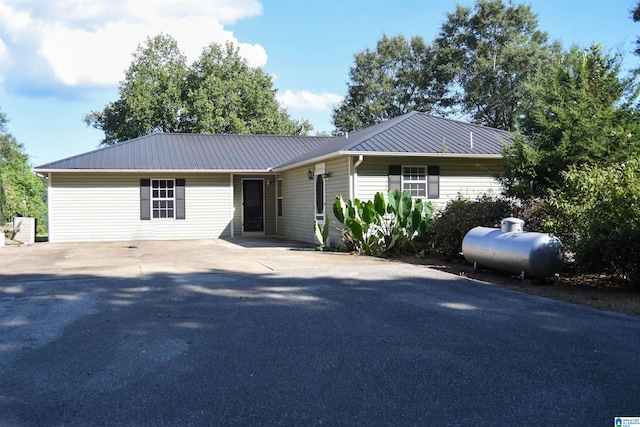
<point x="180" y="211"/>
<point x="145" y="202"/>
<point x="395" y="178"/>
<point x="433" y="182"/>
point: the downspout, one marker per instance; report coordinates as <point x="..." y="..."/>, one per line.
<point x="232" y="213"/>
<point x="354" y="189"/>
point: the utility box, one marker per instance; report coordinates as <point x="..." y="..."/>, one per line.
<point x="25" y="230"/>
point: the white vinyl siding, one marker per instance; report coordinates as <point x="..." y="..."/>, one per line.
<point x="468" y="177"/>
<point x="336" y="185"/>
<point x="106" y="207"/>
<point x="296" y="221"/>
<point x="298" y="201"/>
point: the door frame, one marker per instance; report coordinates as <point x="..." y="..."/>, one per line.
<point x="319" y="172"/>
<point x="264" y="225"/>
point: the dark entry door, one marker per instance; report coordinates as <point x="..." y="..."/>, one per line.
<point x="252" y="202"/>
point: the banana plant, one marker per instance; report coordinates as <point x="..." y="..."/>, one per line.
<point x="377" y="227"/>
<point x="361" y="220"/>
<point x="322" y="234"/>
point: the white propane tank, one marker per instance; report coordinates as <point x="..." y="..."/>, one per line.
<point x="513" y="250"/>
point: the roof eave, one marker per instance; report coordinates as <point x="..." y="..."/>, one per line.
<point x="387" y="154"/>
<point x="156" y="171"/>
<point x="416" y="154"/>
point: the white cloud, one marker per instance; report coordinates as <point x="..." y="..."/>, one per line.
<point x="308" y="101"/>
<point x="79" y="43"/>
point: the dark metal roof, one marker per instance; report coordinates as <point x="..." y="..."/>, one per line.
<point x="414" y="133"/>
<point x="171" y="151"/>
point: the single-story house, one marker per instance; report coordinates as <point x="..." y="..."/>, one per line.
<point x="193" y="186"/>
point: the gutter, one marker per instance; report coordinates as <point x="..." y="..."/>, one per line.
<point x="383" y="154"/>
<point x="155" y="171"/>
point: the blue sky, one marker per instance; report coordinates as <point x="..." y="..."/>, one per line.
<point x="61" y="60"/>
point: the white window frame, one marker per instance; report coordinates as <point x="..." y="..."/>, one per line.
<point x="279" y="197"/>
<point x="166" y="199"/>
<point x="404" y="182"/>
<point x="319" y="173"/>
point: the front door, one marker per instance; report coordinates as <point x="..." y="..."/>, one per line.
<point x="253" y="205"/>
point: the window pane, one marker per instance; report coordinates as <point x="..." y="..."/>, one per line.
<point x="163" y="198"/>
<point x="319" y="194"/>
<point x="416" y="189"/>
<point x="279" y="207"/>
<point x="413" y="173"/>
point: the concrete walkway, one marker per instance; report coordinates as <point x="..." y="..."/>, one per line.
<point x="206" y="333"/>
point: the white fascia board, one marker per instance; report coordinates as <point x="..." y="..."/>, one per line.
<point x="415" y="154"/>
<point x="195" y="171"/>
<point x="310" y="161"/>
<point x="385" y="154"/>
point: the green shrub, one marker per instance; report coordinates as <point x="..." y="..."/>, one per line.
<point x="545" y="216"/>
<point x="602" y="205"/>
<point x="448" y="228"/>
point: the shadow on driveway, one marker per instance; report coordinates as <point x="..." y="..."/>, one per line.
<point x="365" y="344"/>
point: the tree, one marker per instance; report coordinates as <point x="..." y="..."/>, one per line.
<point x="219" y="93"/>
<point x="3" y="202"/>
<point x="485" y="59"/>
<point x="385" y="83"/>
<point x="226" y="95"/>
<point x="582" y="114"/>
<point x="22" y="193"/>
<point x="151" y="95"/>
<point x="635" y="15"/>
<point x="479" y="66"/>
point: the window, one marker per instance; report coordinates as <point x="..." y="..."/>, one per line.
<point x="420" y="181"/>
<point x="414" y="180"/>
<point x="279" y="196"/>
<point x="162" y="198"/>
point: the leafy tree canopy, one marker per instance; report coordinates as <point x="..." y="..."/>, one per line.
<point x="635" y="15"/>
<point x="582" y="114"/>
<point x="22" y="193"/>
<point x="478" y="67"/>
<point x="218" y="93"/>
<point x="385" y="83"/>
<point x="485" y="58"/>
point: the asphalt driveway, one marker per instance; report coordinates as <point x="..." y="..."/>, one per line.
<point x="250" y="333"/>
